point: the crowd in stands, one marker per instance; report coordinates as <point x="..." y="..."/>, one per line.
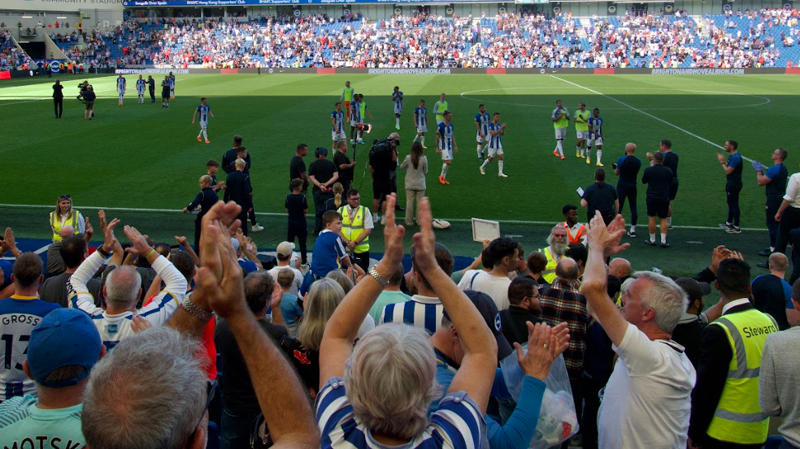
<point x="763" y="38"/>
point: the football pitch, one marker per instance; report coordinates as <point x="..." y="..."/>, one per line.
<point x="142" y="162"/>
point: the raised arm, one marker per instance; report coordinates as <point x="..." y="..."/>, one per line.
<point x="340" y="333"/>
<point x="477" y="370"/>
<point x="287" y="409"/>
<point x="79" y="296"/>
<point x="603" y="240"/>
<point x="184" y="242"/>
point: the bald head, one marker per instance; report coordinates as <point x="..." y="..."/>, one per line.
<point x="394" y="136"/>
<point x="620" y="268"/>
<point x="67" y="231"/>
<point x="122" y="288"/>
<point x="630" y="148"/>
<point x="778" y="262"/>
<point x="567" y="269"/>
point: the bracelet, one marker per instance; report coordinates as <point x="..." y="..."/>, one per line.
<point x="149" y="253"/>
<point x="193" y="309"/>
<point x="374" y="273"/>
<point x="102" y="252"/>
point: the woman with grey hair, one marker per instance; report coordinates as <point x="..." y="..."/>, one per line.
<point x="376" y="394"/>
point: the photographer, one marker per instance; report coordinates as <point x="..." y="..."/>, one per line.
<point x="382" y="162"/>
<point x="88" y="99"/>
<point x="83" y="87"/>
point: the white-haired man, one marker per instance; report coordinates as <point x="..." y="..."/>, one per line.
<point x="557" y="246"/>
<point x="647" y="400"/>
<point x="123" y="288"/>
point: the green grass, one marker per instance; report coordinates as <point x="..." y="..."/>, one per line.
<point x="143" y="156"/>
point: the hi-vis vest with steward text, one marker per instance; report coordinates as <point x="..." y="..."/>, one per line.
<point x="353" y="227"/>
<point x="549" y="273"/>
<point x="55" y="224"/>
<point x="738" y="417"/>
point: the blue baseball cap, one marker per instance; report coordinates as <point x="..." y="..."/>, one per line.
<point x="64" y="337"/>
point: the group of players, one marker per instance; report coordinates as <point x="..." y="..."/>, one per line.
<point x="167" y="89"/>
<point x="489" y="130"/>
<point x="588" y="127"/>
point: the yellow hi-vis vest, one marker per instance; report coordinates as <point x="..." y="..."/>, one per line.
<point x="353" y="229"/>
<point x="738" y="417"/>
<point x="347" y="94"/>
<point x="549" y="273"/>
<point x="55" y="224"/>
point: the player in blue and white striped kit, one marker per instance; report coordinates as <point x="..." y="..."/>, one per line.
<point x="596" y="135"/>
<point x="121" y="85"/>
<point x="495" y="134"/>
<point x="140" y="84"/>
<point x="421" y="122"/>
<point x="355" y="117"/>
<point x="482" y="125"/>
<point x="397" y="100"/>
<point x="204" y="110"/>
<point x="337" y="125"/>
<point x="446" y="144"/>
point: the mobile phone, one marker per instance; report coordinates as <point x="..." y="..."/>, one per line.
<point x="614" y="165"/>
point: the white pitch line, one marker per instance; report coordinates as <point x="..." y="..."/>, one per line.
<point x="278" y="214"/>
<point x="647" y="114"/>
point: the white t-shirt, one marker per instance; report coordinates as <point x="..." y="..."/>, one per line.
<point x="647" y="400"/>
<point x="298" y="277"/>
<point x="494" y="286"/>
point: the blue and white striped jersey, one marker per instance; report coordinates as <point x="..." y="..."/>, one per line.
<point x="483" y="120"/>
<point x="424" y="312"/>
<point x="420" y="116"/>
<point x="355" y="111"/>
<point x="204" y="109"/>
<point x="456" y="423"/>
<point x="397" y="98"/>
<point x="595" y="127"/>
<point x="120" y="83"/>
<point x="496" y="140"/>
<point x="445" y="136"/>
<point x="140" y="85"/>
<point x="338" y="119"/>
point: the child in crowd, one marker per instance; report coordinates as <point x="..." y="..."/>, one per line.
<point x="330" y="251"/>
<point x="290" y="307"/>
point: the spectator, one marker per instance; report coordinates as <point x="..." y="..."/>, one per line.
<point x="504" y="253"/>
<point x="417" y="165"/>
<point x="689" y="330"/>
<point x="27" y="275"/>
<point x="62" y="350"/>
<point x="537" y="262"/>
<point x="201" y="204"/>
<point x="290" y="303"/>
<point x="425" y="308"/>
<point x="777" y="391"/>
<point x="524" y="307"/>
<point x="620" y="268"/>
<point x="329" y="250"/>
<point x="55" y="264"/>
<point x="55" y="289"/>
<point x="391" y="294"/>
<point x="283" y="254"/>
<point x="335" y="202"/>
<point x="647" y="399"/>
<point x="360" y="396"/>
<point x="123" y="289"/>
<point x="773" y="295"/>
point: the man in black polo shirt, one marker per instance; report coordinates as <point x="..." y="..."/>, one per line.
<point x="601" y="196"/>
<point x="671" y="162"/>
<point x="658" y="179"/>
<point x="297" y="168"/>
<point x="733" y="185"/>
<point x="627" y="168"/>
<point x="239" y="190"/>
<point x="775" y="181"/>
<point x="322" y="173"/>
<point x="344" y="165"/>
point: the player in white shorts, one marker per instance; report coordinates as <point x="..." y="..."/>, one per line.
<point x="582" y="132"/>
<point x="171" y="85"/>
<point x="495" y="134"/>
<point x="355" y="117"/>
<point x="421" y="122"/>
<point x="204" y="110"/>
<point x="482" y="126"/>
<point x="397" y="99"/>
<point x="337" y="125"/>
<point x="596" y="134"/>
<point x="140" y="85"/>
<point x="121" y="85"/>
<point x="446" y="144"/>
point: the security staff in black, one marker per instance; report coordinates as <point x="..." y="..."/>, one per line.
<point x="733" y="185"/>
<point x="774" y="179"/>
<point x="627" y="168"/>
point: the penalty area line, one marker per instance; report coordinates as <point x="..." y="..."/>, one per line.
<point x="278" y="214"/>
<point x="715" y="145"/>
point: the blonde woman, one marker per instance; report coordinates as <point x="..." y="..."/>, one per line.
<point x="336" y="202"/>
<point x="416" y="165"/>
<point x="64" y="215"/>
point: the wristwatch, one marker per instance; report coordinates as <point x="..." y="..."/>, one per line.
<point x="374" y="273"/>
<point x="193" y="309"/>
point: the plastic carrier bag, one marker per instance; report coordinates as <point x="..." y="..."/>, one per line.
<point x="558" y="420"/>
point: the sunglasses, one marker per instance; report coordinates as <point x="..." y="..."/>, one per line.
<point x="64" y="197"/>
<point x="211" y="388"/>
